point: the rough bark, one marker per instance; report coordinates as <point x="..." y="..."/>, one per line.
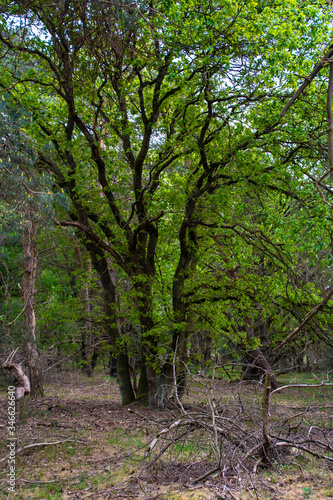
<point x="149" y="378"/>
<point x="186" y="264"/>
<point x="110" y="306"/>
<point x="113" y="365"/>
<point x="28" y="290"/>
<point x="143" y="388"/>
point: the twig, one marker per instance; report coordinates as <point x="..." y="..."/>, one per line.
<point x="143" y="417"/>
<point x="297" y="415"/>
<point x="307" y="318"/>
<point x="265" y="414"/>
<point x="17" y="317"/>
<point x="175" y="380"/>
<point x="37" y="482"/>
<point x="250" y="452"/>
<point x="209" y="473"/>
<point x="170" y="443"/>
<point x="254" y="488"/>
<point x="231" y="494"/>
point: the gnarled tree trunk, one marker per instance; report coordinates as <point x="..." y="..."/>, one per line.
<point x="123" y="371"/>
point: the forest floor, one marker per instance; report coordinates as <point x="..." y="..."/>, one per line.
<point x="99" y="447"/>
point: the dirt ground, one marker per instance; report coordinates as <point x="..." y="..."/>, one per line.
<point x="82" y="444"/>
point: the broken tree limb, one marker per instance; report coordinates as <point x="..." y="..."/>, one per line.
<point x="22" y="377"/>
<point x="19" y="450"/>
<point x="178" y="423"/>
<point x="291" y="386"/>
<point x="206" y="474"/>
<point x="307" y="318"/>
<point x="307" y="80"/>
<point x="289" y="442"/>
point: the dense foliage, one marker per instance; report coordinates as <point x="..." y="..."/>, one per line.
<point x="159" y="153"/>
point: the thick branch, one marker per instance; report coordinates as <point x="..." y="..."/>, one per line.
<point x="307" y="81"/>
<point x="93" y="236"/>
<point x="330" y="119"/>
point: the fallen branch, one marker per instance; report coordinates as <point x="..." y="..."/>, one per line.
<point x="322" y="384"/>
<point x="19" y="450"/>
<point x="208" y="473"/>
<point x="297" y="415"/>
<point x="303" y="448"/>
<point x="164" y="431"/>
<point x="37" y="482"/>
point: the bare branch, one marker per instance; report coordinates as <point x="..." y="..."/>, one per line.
<point x="322" y="384"/>
<point x="19" y="450"/>
<point x="307" y="318"/>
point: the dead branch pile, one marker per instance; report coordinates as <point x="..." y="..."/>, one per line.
<point x="225" y="438"/>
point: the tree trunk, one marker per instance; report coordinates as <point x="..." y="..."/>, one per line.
<point x="258" y="358"/>
<point x="143" y="388"/>
<point x="110" y="307"/>
<point x="150" y="381"/>
<point x="187" y="264"/>
<point x="28" y="290"/>
<point x="112" y="365"/>
<point x="265" y="417"/>
<point x="88" y="336"/>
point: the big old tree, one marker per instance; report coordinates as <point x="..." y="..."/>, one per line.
<point x="127" y="99"/>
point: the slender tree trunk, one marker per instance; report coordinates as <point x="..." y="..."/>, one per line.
<point x="143" y="388"/>
<point x="265" y="416"/>
<point x="88" y="336"/>
<point x="112" y="365"/>
<point x="28" y="290"/>
<point x="258" y="358"/>
<point x="123" y="363"/>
